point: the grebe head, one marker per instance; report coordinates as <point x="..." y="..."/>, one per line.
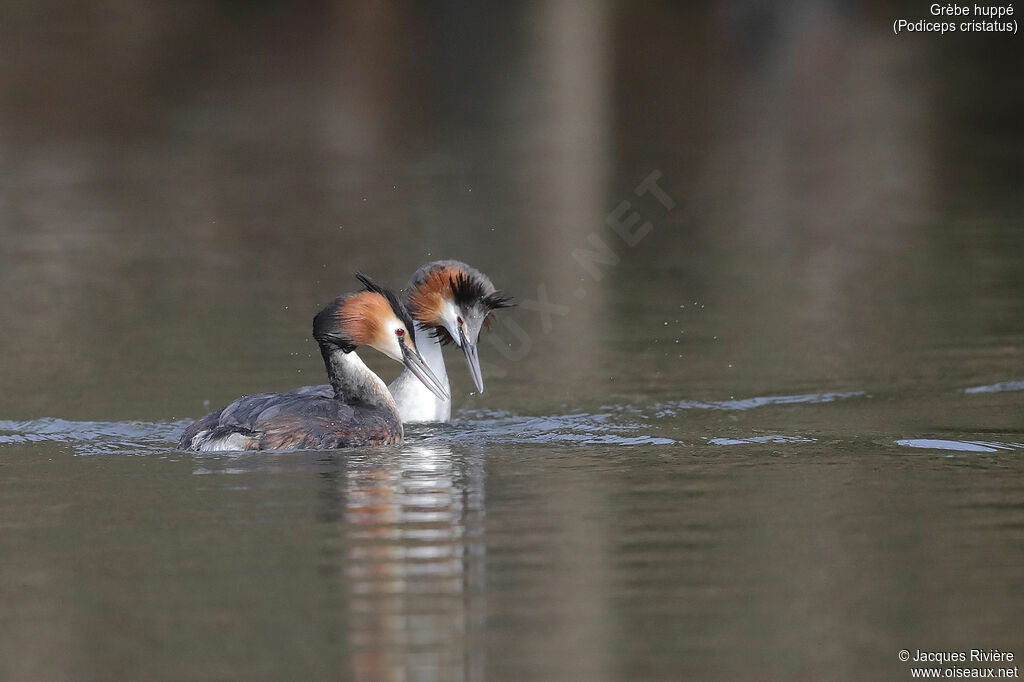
<point x="374" y="317"/>
<point x="454" y="300"/>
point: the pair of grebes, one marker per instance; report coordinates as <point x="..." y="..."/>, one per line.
<point x="445" y="302"/>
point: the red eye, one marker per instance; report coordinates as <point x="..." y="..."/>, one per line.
<point x="399" y="333"/>
<point x="459" y="320"/>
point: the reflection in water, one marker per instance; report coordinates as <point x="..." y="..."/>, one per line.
<point x="412" y="556"/>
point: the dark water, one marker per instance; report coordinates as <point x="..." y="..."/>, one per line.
<point x="777" y="434"/>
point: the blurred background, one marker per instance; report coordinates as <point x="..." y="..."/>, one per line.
<point x="774" y="249"/>
<point x="185" y="185"/>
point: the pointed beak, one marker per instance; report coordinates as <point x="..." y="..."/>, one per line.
<point x="473" y="360"/>
<point x="414" y="361"/>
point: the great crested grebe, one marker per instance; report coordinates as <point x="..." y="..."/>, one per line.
<point x="450" y="302"/>
<point x="357" y="410"/>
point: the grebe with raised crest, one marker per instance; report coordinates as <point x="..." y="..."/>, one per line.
<point x="357" y="408"/>
<point x="450" y="302"/>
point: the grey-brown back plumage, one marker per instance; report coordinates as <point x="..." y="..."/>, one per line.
<point x="306" y="418"/>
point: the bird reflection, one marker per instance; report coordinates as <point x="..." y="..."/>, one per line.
<point x="411" y="559"/>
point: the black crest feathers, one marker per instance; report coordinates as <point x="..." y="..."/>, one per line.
<point x="473" y="289"/>
<point x="326" y="330"/>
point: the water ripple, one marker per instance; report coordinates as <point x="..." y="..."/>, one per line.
<point x="94" y="437"/>
<point x="762" y="401"/>
<point x="672" y="408"/>
<point x="774" y="438"/>
<point x="476" y="427"/>
<point x="624" y="425"/>
<point x="495" y="427"/>
<point x="959" y="445"/>
<point x="1001" y="387"/>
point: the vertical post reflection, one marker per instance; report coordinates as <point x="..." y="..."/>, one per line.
<point x="412" y="562"/>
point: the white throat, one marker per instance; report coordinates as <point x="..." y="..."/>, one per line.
<point x="414" y="400"/>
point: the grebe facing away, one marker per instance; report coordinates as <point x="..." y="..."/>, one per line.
<point x="358" y="410"/>
<point x="450" y="302"/>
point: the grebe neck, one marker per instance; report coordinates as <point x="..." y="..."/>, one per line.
<point x="353" y="382"/>
<point x="430" y="350"/>
<point x="415" y="401"/>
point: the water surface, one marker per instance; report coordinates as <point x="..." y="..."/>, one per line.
<point x="777" y="435"/>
